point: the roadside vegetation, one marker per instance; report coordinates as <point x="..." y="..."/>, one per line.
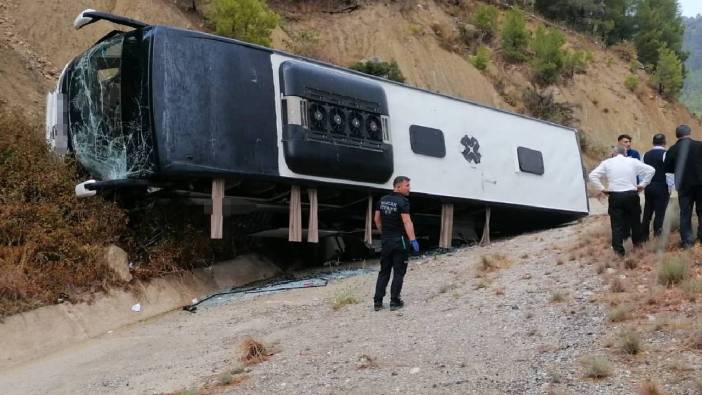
<point x="52" y="244"/>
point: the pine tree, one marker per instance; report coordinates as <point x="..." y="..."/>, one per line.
<point x="515" y="37"/>
<point x="246" y="20"/>
<point x="669" y="73"/>
<point x="657" y="23"/>
<point x="549" y="59"/>
<point x="485" y="19"/>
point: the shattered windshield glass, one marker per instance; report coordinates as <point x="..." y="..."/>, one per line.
<point x="108" y="115"/>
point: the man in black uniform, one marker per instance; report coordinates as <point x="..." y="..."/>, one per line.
<point x="684" y="159"/>
<point x="657" y="193"/>
<point x="393" y="220"/>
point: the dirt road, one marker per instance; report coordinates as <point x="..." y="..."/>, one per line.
<point x="520" y="329"/>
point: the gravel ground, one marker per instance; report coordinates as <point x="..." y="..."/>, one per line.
<point x="500" y="333"/>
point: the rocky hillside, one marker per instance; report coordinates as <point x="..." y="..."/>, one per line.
<point x="36" y="39"/>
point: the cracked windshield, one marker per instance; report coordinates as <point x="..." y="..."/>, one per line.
<point x="109" y="125"/>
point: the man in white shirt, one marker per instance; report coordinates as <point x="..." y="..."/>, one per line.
<point x="623" y="194"/>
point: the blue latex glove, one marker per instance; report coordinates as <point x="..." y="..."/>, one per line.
<point x="415" y="246"/>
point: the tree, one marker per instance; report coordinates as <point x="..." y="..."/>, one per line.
<point x="657" y="23"/>
<point x="549" y="59"/>
<point x="481" y="59"/>
<point x="669" y="73"/>
<point x="485" y="19"/>
<point x="515" y="37"/>
<point x="581" y="14"/>
<point x="618" y="21"/>
<point x="390" y="71"/>
<point x="246" y="20"/>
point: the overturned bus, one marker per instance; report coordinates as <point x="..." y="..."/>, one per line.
<point x="166" y="111"/>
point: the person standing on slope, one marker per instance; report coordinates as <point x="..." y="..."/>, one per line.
<point x="684" y="159"/>
<point x="393" y="220"/>
<point x="657" y="193"/>
<point x="623" y="194"/>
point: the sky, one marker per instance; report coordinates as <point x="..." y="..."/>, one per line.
<point x="690" y="7"/>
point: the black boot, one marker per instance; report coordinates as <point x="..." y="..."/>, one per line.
<point x="396" y="304"/>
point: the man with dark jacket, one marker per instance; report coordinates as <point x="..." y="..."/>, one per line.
<point x="657" y="193"/>
<point x="393" y="220"/>
<point x="684" y="159"/>
<point x="625" y="141"/>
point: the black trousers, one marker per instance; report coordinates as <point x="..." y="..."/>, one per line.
<point x="393" y="258"/>
<point x="625" y="215"/>
<point x="657" y="196"/>
<point x="688" y="198"/>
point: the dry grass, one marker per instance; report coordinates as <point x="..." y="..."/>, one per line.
<point x="493" y="262"/>
<point x="698" y="386"/>
<point x="343" y="298"/>
<point x="696" y="336"/>
<point x="447" y="36"/>
<point x="596" y="367"/>
<point x="617" y="285"/>
<point x="650" y="387"/>
<point x="630" y="342"/>
<point x="630" y="264"/>
<point x="619" y="314"/>
<point x="50" y="242"/>
<point x="673" y="270"/>
<point x="692" y="286"/>
<point x="558" y="296"/>
<point x="253" y="351"/>
<point x="225" y="378"/>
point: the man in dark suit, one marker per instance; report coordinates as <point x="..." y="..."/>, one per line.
<point x="684" y="159"/>
<point x="657" y="193"/>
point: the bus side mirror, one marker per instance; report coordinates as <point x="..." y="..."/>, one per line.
<point x="83" y="20"/>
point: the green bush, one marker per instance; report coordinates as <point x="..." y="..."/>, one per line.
<point x="576" y="62"/>
<point x="631" y="82"/>
<point x="669" y="73"/>
<point x="515" y="37"/>
<point x="673" y="270"/>
<point x="246" y="20"/>
<point x="485" y="19"/>
<point x="550" y="59"/>
<point x="379" y="68"/>
<point x="481" y="59"/>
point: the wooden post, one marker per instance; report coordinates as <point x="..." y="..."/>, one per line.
<point x="295" y="223"/>
<point x="446" y="234"/>
<point x="368" y="236"/>
<point x="217" y="219"/>
<point x="313" y="223"/>
<point x="485" y="239"/>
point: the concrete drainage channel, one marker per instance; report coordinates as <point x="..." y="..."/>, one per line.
<point x="48" y="329"/>
<point x="310" y="280"/>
